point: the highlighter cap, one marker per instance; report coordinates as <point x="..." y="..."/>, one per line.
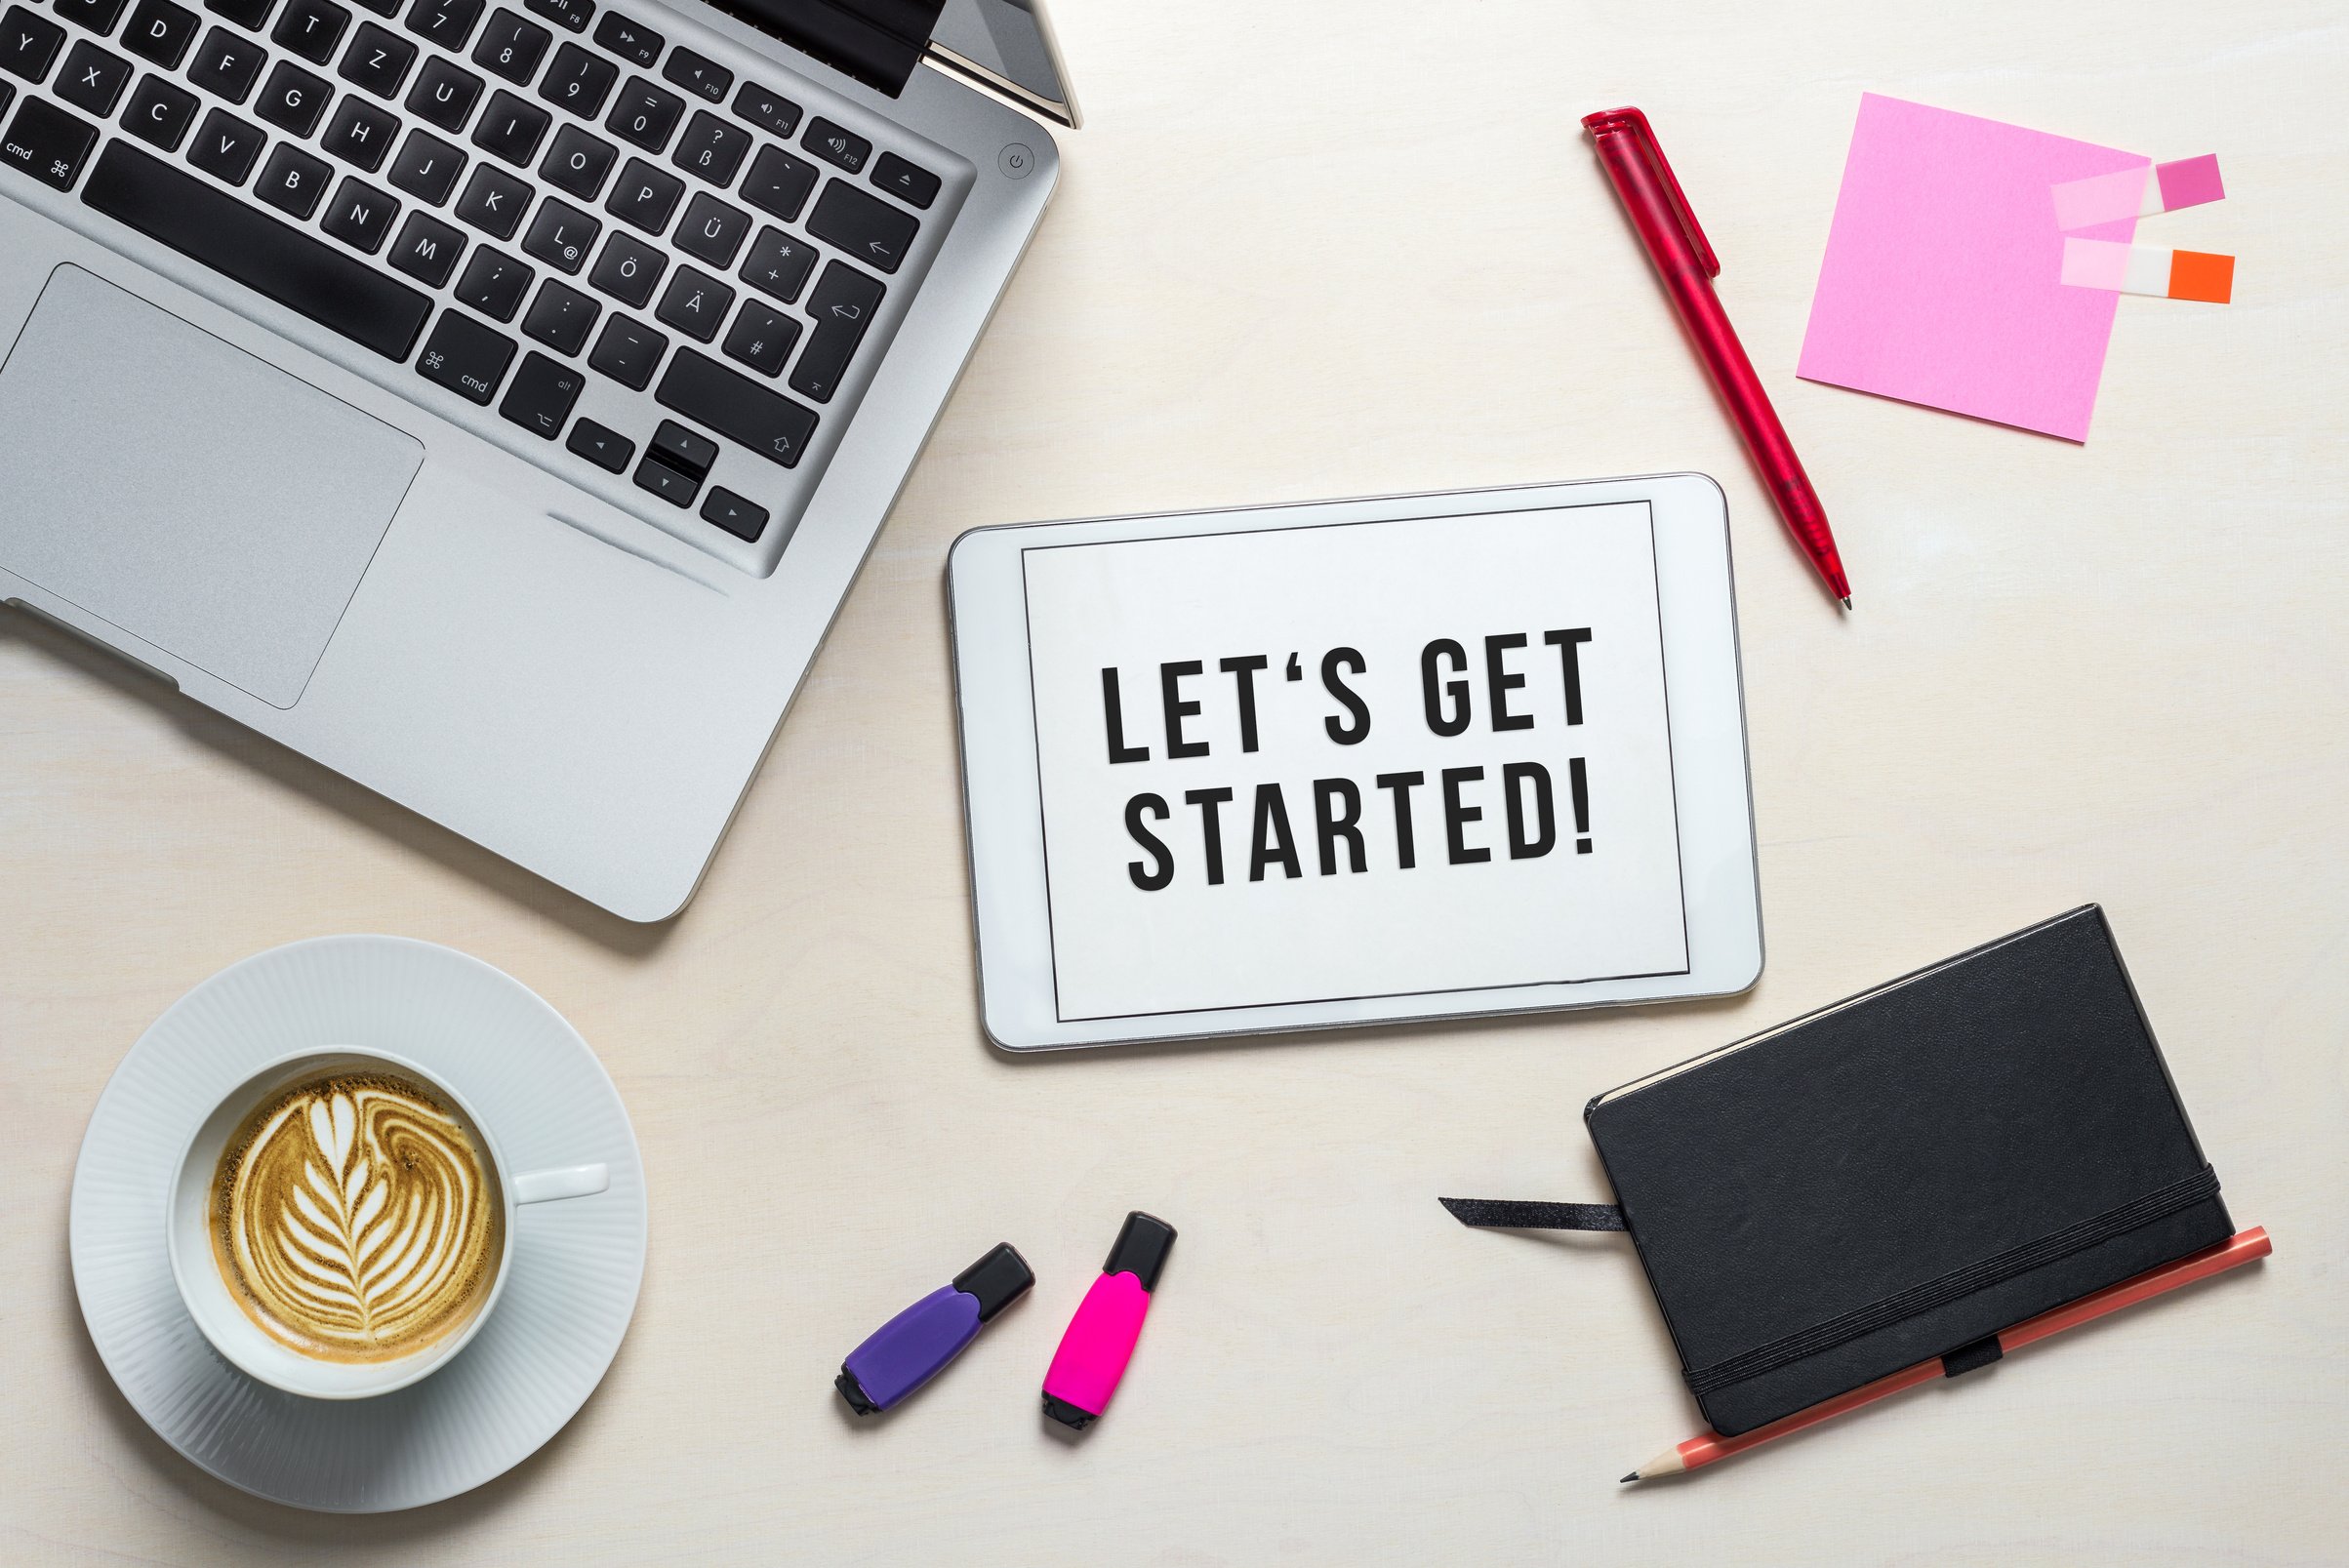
<point x="1141" y="1248"/>
<point x="997" y="1279"/>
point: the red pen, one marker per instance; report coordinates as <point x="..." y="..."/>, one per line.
<point x="1659" y="210"/>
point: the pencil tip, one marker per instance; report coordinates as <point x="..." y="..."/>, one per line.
<point x="1847" y="601"/>
<point x="1632" y="1476"/>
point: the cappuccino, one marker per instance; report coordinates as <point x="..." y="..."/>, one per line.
<point x="355" y="1215"/>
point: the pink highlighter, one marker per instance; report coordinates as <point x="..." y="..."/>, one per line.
<point x="1100" y="1338"/>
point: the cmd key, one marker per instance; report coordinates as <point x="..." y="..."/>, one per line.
<point x="45" y="143"/>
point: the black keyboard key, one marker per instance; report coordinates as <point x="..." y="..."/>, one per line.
<point x="743" y="519"/>
<point x="578" y="81"/>
<point x="48" y="143"/>
<point x="360" y="132"/>
<point x="645" y="115"/>
<point x="736" y="407"/>
<point x="309" y="28"/>
<point x="629" y="269"/>
<point x="428" y="249"/>
<point x="30" y="44"/>
<point x="762" y="337"/>
<point x="561" y="317"/>
<point x="644" y="197"/>
<point x="836" y="144"/>
<point x="542" y="394"/>
<point x="444" y="94"/>
<point x="386" y="8"/>
<point x="666" y="482"/>
<point x="572" y="16"/>
<point x="378" y="60"/>
<point x="511" y="46"/>
<point x="713" y="148"/>
<point x="511" y="128"/>
<point x="292" y="98"/>
<point x="226" y="147"/>
<point x="632" y="41"/>
<point x="101" y="15"/>
<point x="449" y="23"/>
<point x="494" y="201"/>
<point x="426" y="166"/>
<point x="466" y="358"/>
<point x="864" y="226"/>
<point x="494" y="284"/>
<point x="361" y="216"/>
<point x="779" y="182"/>
<point x="904" y="182"/>
<point x="694" y="304"/>
<point x="161" y="32"/>
<point x="561" y="236"/>
<point x="304" y="274"/>
<point x="700" y="76"/>
<point x="293" y="182"/>
<point x="767" y="109"/>
<point x="779" y="263"/>
<point x="93" y="79"/>
<point x="160" y="113"/>
<point x="578" y="163"/>
<point x="8" y="95"/>
<point x="842" y="305"/>
<point x="227" y="64"/>
<point x="689" y="452"/>
<point x="712" y="231"/>
<point x="629" y="351"/>
<point x="607" y="449"/>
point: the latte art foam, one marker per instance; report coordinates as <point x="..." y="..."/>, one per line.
<point x="356" y="1217"/>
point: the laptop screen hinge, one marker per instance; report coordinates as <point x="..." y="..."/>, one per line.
<point x="878" y="42"/>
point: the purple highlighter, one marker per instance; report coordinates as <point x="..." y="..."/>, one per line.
<point x="915" y="1346"/>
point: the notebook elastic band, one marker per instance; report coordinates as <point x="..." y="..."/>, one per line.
<point x="1955" y="1284"/>
<point x="1508" y="1214"/>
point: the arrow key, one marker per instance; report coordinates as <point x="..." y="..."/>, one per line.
<point x="863" y="226"/>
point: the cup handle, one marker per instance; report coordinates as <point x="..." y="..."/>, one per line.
<point x="568" y="1182"/>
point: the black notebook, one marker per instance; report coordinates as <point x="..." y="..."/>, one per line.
<point x="1902" y="1174"/>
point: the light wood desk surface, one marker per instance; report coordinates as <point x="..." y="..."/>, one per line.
<point x="1305" y="249"/>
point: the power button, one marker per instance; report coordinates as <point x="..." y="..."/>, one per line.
<point x="1017" y="161"/>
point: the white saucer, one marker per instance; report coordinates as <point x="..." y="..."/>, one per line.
<point x="576" y="1267"/>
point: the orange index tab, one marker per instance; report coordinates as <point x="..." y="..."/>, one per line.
<point x="2202" y="275"/>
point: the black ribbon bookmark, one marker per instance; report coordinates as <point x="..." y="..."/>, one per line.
<point x="1510" y="1214"/>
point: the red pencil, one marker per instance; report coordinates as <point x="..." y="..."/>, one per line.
<point x="1707" y="1447"/>
<point x="1684" y="261"/>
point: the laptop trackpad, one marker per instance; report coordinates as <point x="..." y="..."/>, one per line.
<point x="178" y="487"/>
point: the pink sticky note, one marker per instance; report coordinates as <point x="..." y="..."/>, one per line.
<point x="1942" y="282"/>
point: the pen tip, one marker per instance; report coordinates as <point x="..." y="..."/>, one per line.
<point x="1847" y="601"/>
<point x="1632" y="1476"/>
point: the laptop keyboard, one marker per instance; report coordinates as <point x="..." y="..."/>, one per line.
<point x="665" y="280"/>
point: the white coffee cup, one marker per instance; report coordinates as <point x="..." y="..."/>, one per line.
<point x="212" y="1302"/>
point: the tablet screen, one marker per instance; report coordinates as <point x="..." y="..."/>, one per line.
<point x="1355" y="760"/>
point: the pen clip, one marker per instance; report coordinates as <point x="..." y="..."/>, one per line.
<point x="1631" y="122"/>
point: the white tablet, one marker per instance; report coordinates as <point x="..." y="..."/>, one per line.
<point x="1355" y="762"/>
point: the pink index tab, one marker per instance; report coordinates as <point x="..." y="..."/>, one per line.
<point x="1091" y="1359"/>
<point x="2102" y="199"/>
<point x="2137" y="192"/>
<point x="2190" y="181"/>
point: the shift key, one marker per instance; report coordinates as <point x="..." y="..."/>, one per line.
<point x="842" y="305"/>
<point x="736" y="407"/>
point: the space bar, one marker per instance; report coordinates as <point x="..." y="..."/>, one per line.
<point x="302" y="273"/>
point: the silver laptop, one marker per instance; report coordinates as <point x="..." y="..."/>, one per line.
<point x="494" y="399"/>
